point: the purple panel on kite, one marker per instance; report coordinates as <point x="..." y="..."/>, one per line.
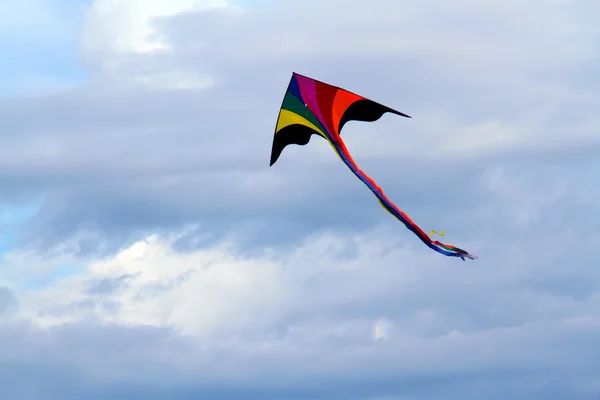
<point x="308" y="88"/>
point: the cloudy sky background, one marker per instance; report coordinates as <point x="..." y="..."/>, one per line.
<point x="149" y="252"/>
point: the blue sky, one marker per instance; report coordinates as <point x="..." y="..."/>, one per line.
<point x="148" y="251"/>
<point x="39" y="42"/>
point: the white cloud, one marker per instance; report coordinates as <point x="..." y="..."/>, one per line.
<point x="201" y="292"/>
<point x="117" y="31"/>
<point x="127" y="26"/>
<point x="380" y="329"/>
<point x="315" y="310"/>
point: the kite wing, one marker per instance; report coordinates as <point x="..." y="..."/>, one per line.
<point x="312" y="107"/>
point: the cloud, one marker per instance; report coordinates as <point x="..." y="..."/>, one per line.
<point x="134" y="30"/>
<point x="269" y="324"/>
<point x="167" y="260"/>
<point x="128" y="136"/>
<point x="7" y="301"/>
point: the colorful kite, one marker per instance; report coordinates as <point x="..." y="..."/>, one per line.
<point x="311" y="107"/>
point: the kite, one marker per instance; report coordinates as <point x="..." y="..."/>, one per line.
<point x="311" y="107"/>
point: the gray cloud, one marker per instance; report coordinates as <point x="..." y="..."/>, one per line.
<point x="120" y="160"/>
<point x="115" y="160"/>
<point x="8" y="301"/>
<point x="530" y="360"/>
<point x="108" y="286"/>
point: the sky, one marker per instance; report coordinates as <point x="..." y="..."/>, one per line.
<point x="148" y="251"/>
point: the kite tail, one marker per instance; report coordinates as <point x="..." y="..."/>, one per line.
<point x="445" y="249"/>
